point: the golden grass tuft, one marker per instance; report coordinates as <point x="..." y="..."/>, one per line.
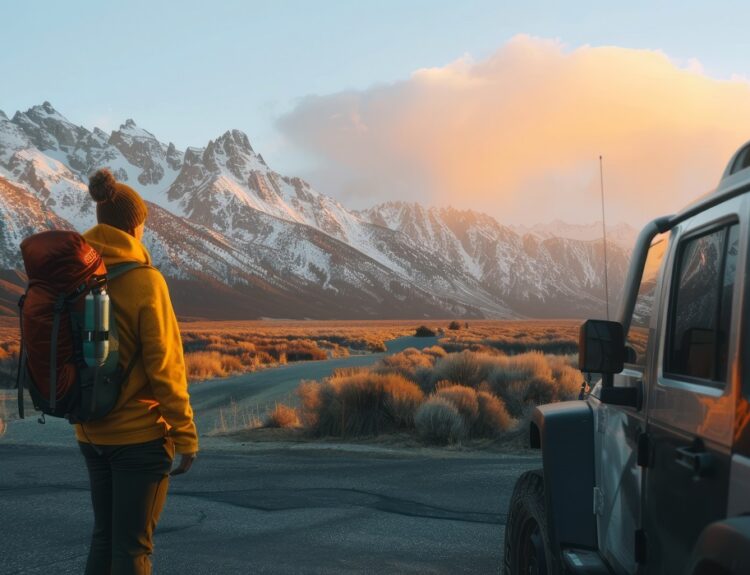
<point x="282" y="416"/>
<point x="361" y="404"/>
<point x="438" y="421"/>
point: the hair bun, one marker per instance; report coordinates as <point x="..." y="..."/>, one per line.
<point x="102" y="185"/>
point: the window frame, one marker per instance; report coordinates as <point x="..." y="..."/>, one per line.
<point x="665" y="238"/>
<point x="724" y="223"/>
<point x="740" y="158"/>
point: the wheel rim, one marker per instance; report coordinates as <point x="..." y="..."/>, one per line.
<point x="532" y="560"/>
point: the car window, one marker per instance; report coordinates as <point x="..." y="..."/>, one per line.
<point x="638" y="334"/>
<point x="701" y="306"/>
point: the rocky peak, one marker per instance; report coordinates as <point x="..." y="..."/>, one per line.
<point x="131" y="130"/>
<point x="233" y="150"/>
<point x="174" y="157"/>
<point x="193" y="155"/>
<point x="232" y="139"/>
<point x="142" y="149"/>
<point x="47" y="128"/>
<point x="45" y="110"/>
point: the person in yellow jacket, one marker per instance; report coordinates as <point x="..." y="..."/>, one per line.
<point x="130" y="452"/>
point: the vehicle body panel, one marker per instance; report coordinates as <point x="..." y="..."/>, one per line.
<point x="689" y="422"/>
<point x="565" y="432"/>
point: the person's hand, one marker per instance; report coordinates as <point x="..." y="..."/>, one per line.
<point x="186" y="462"/>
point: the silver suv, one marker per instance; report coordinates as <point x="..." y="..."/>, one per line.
<point x="650" y="472"/>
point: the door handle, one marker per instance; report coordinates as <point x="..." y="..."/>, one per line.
<point x="699" y="462"/>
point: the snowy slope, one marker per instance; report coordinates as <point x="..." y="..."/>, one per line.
<point x="222" y="221"/>
<point x="621" y="234"/>
<point x="532" y="275"/>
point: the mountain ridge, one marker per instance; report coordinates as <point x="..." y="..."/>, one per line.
<point x="221" y="219"/>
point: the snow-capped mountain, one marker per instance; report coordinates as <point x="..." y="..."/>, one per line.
<point x="534" y="275"/>
<point x="622" y="234"/>
<point x="237" y="239"/>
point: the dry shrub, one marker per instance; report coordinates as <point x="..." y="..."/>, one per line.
<point x="493" y="418"/>
<point x="464" y="368"/>
<point x="484" y="414"/>
<point x="252" y="350"/>
<point x="410" y="363"/>
<point x="282" y="416"/>
<point x="208" y="364"/>
<point x="304" y="350"/>
<point x="533" y="378"/>
<point x="333" y="349"/>
<point x="424" y="331"/>
<point x="310" y="403"/>
<point x="567" y="376"/>
<point x="346" y="371"/>
<point x="464" y="399"/>
<point x="435" y="351"/>
<point x="358" y="405"/>
<point x="527" y="378"/>
<point x="546" y="344"/>
<point x="438" y="421"/>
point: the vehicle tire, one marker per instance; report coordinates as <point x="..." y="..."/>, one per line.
<point x="527" y="547"/>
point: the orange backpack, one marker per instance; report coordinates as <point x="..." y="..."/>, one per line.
<point x="69" y="357"/>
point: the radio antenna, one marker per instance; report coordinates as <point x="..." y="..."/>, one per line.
<point x="604" y="236"/>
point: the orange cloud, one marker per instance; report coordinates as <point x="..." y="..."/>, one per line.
<point x="519" y="134"/>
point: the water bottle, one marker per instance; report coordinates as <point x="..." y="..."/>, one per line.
<point x="89" y="326"/>
<point x="96" y="328"/>
<point x="102" y="326"/>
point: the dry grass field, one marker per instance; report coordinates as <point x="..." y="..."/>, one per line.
<point x="478" y="383"/>
<point x="221" y="348"/>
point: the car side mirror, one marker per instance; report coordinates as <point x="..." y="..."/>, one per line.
<point x="601" y="347"/>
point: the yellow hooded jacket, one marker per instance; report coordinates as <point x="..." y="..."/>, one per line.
<point x="154" y="401"/>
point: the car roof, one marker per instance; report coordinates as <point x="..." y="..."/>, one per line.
<point x="734" y="182"/>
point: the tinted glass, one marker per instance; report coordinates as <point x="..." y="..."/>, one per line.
<point x="701" y="307"/>
<point x="638" y="334"/>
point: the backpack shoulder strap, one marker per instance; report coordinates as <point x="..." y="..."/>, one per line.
<point x="116" y="270"/>
<point x="21" y="374"/>
<point x="58" y="310"/>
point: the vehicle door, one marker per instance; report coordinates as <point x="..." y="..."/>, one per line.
<point x="618" y="476"/>
<point x="690" y="411"/>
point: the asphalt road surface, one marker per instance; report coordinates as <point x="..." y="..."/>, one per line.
<point x="288" y="510"/>
<point x="269" y="507"/>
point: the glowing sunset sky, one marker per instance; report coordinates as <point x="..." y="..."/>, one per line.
<point x="504" y="109"/>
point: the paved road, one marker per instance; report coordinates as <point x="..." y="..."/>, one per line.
<point x="269" y="508"/>
<point x="290" y="510"/>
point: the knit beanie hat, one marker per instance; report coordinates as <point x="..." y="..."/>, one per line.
<point x="117" y="205"/>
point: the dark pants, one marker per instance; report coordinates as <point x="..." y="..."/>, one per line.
<point x="128" y="489"/>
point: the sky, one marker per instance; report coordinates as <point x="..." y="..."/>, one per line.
<point x="497" y="106"/>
